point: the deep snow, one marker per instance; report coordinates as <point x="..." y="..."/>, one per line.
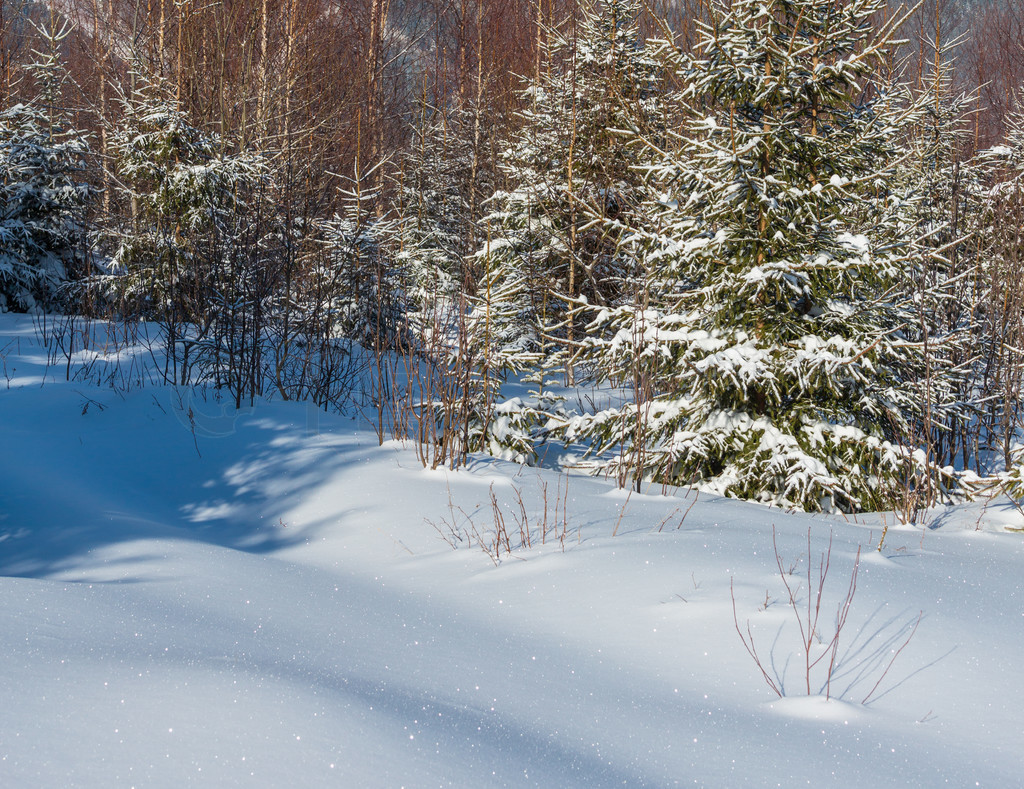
<point x="266" y="599"/>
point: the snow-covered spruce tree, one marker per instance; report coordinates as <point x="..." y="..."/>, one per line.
<point x="777" y="345"/>
<point x="183" y="254"/>
<point x="43" y="196"/>
<point x="553" y="238"/>
<point x="430" y="213"/>
<point x="573" y="175"/>
<point x="1001" y="308"/>
<point x="364" y="291"/>
<point x="947" y="290"/>
<point x="384" y="279"/>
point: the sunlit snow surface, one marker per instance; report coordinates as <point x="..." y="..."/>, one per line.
<point x="262" y="599"/>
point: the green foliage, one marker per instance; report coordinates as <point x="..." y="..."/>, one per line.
<point x="554" y="238"/>
<point x="773" y="345"/>
<point x="43" y="196"/>
<point x="187" y="196"/>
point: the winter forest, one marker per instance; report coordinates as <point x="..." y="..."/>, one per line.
<point x="767" y="248"/>
<point x="511" y="393"/>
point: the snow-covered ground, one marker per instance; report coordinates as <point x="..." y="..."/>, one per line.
<point x="270" y="599"/>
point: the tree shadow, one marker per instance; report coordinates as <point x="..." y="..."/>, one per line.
<point x="84" y="482"/>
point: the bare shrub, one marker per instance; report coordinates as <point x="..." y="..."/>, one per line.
<point x="515" y="526"/>
<point x="820" y="654"/>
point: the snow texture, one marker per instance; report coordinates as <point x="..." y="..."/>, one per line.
<point x="194" y="596"/>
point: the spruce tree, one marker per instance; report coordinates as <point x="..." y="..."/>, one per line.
<point x="776" y="344"/>
<point x="365" y="291"/>
<point x="186" y="250"/>
<point x="948" y="204"/>
<point x="1000" y="312"/>
<point x="182" y="188"/>
<point x="554" y="236"/>
<point x="43" y="194"/>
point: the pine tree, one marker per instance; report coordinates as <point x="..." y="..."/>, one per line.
<point x="777" y="349"/>
<point x="43" y="196"/>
